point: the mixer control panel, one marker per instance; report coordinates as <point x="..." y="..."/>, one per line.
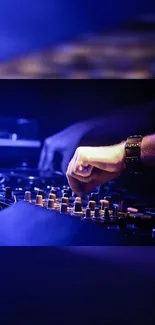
<point x="111" y="211"/>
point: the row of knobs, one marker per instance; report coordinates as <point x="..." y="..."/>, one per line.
<point x="77" y="209"/>
<point x="92" y="209"/>
<point x="66" y="194"/>
<point x="52" y="202"/>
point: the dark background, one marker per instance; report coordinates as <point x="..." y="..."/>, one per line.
<point x="58" y="104"/>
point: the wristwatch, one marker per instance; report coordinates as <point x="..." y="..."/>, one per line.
<point x="133" y="154"/>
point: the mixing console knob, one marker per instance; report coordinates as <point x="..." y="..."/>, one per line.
<point x="54" y="191"/>
<point x="67" y="190"/>
<point x="78" y="207"/>
<point x="41" y="192"/>
<point x="108" y="199"/>
<point x="65" y="200"/>
<point x="97" y="213"/>
<point x="106" y="212"/>
<point x="63" y="208"/>
<point x="91" y="205"/>
<point x="115" y="210"/>
<point x="78" y="199"/>
<point x="8" y="193"/>
<point x="27" y="196"/>
<point x="52" y="196"/>
<point x="88" y="213"/>
<point x="132" y="210"/>
<point x="50" y="204"/>
<point x="104" y="204"/>
<point x="94" y="197"/>
<point x="39" y="200"/>
<point x="65" y="195"/>
<point x="153" y="233"/>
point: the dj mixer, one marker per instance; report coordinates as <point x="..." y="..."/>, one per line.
<point x="107" y="209"/>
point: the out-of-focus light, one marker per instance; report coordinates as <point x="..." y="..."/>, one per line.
<point x="14" y="136"/>
<point x="22" y="121"/>
<point x="36" y="189"/>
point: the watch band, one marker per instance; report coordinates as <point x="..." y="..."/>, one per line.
<point x="133" y="154"/>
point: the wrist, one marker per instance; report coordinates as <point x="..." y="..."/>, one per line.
<point x="110" y="158"/>
<point x="133" y="154"/>
<point x="120" y="155"/>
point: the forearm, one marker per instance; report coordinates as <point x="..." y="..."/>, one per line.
<point x="148" y="150"/>
<point x="112" y="158"/>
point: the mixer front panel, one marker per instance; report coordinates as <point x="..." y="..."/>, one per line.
<point x="109" y="209"/>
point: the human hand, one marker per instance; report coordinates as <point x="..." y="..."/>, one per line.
<point x="92" y="166"/>
<point x="64" y="143"/>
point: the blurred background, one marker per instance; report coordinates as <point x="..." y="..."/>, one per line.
<point x="77" y="39"/>
<point x="32" y="111"/>
<point x="69" y="40"/>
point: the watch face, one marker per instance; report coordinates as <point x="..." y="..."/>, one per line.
<point x="133" y="161"/>
<point x="135" y="138"/>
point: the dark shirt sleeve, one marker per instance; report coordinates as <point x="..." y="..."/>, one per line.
<point x="115" y="128"/>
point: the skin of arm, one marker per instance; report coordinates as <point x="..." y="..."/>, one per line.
<point x="147" y="151"/>
<point x="93" y="166"/>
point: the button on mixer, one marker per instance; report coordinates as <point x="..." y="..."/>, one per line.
<point x="65" y="200"/>
<point x="77" y="207"/>
<point x="50" y="204"/>
<point x="132" y="210"/>
<point x="106" y="212"/>
<point x="66" y="195"/>
<point x="78" y="199"/>
<point x="91" y="205"/>
<point x="8" y="193"/>
<point x="97" y="213"/>
<point x="39" y="200"/>
<point x="42" y="193"/>
<point x="115" y="210"/>
<point x="153" y="233"/>
<point x="107" y="198"/>
<point x="52" y="196"/>
<point x="67" y="190"/>
<point x="104" y="204"/>
<point x="63" y="208"/>
<point x="94" y="197"/>
<point x="54" y="191"/>
<point x="88" y="213"/>
<point x="27" y="196"/>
